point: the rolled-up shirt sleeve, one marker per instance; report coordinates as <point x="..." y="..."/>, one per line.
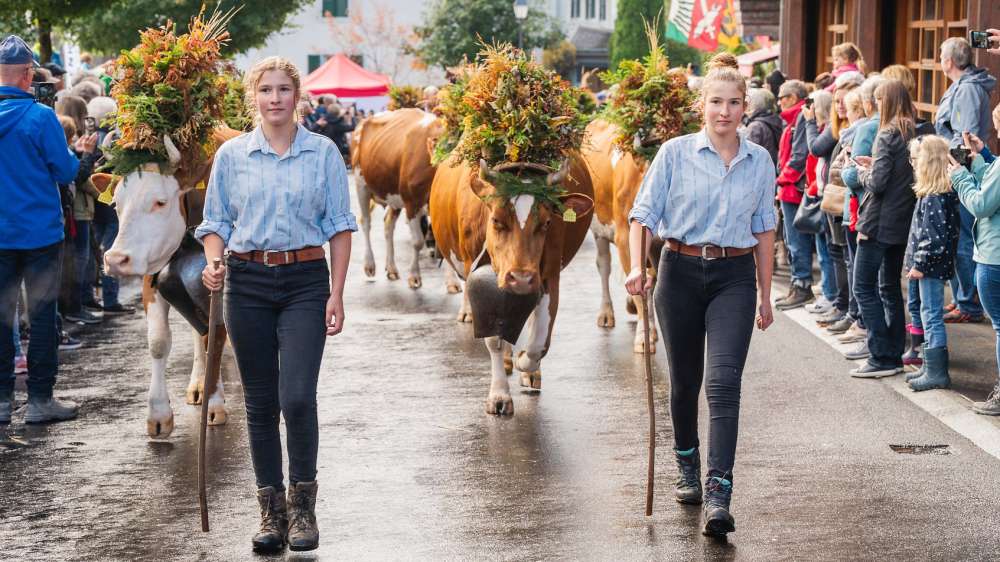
<point x="765" y="216"/>
<point x="649" y="205"/>
<point x="218" y="218"/>
<point x="337" y="216"/>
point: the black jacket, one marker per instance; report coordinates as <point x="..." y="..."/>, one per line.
<point x="336" y="129"/>
<point x="821" y="145"/>
<point x="934" y="236"/>
<point x="887" y="205"/>
<point x="764" y="129"/>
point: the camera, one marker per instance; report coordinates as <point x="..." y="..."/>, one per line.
<point x="809" y="102"/>
<point x="979" y="39"/>
<point x="44" y="92"/>
<point x="963" y="156"/>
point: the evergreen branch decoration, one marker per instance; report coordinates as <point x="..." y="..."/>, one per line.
<point x="449" y="111"/>
<point x="404" y="96"/>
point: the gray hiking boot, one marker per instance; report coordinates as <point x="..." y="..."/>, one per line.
<point x="718" y="520"/>
<point x="688" y="478"/>
<point x="303" y="532"/>
<point x="49" y="409"/>
<point x="992" y="405"/>
<point x="6" y="407"/>
<point x="273" y="520"/>
<point x="800" y="296"/>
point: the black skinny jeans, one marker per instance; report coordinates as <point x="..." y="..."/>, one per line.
<point x="276" y="318"/>
<point x="715" y="300"/>
<point x="878" y="272"/>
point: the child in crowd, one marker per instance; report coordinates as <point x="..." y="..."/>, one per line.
<point x="930" y="255"/>
<point x="847" y="58"/>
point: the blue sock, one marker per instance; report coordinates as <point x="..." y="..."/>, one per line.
<point x="723" y="480"/>
<point x="687" y="453"/>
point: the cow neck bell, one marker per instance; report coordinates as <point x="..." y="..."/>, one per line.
<point x="496" y="312"/>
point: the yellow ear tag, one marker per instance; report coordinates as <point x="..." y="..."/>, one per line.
<point x="106" y="197"/>
<point x="569" y="215"/>
<point x="201" y="185"/>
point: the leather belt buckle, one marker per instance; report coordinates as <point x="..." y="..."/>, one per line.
<point x="268" y="263"/>
<point x="704" y="252"/>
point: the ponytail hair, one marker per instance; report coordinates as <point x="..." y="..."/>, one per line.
<point x="852" y="53"/>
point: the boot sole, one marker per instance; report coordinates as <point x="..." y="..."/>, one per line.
<point x="44" y="419"/>
<point x="268" y="548"/>
<point x="303" y="548"/>
<point x="689" y="501"/>
<point x="986" y="412"/>
<point x="932" y="387"/>
<point x="791" y="306"/>
<point x="717" y="527"/>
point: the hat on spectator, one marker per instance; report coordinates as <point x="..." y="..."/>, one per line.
<point x="54" y="68"/>
<point x="852" y="76"/>
<point x="775" y="80"/>
<point x="13" y="50"/>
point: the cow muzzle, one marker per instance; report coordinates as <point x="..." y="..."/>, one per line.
<point x="520" y="281"/>
<point x="118" y="264"/>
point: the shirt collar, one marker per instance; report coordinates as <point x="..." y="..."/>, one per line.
<point x="702" y="141"/>
<point x="259" y="142"/>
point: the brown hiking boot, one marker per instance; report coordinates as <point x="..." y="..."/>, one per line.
<point x="273" y="520"/>
<point x="303" y="532"/>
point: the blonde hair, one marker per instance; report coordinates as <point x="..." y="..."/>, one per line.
<point x="723" y="67"/>
<point x="996" y="114"/>
<point x="852" y="53"/>
<point x="836" y="122"/>
<point x="931" y="167"/>
<point x="252" y="78"/>
<point x="854" y="101"/>
<point x="69" y="127"/>
<point x="903" y="74"/>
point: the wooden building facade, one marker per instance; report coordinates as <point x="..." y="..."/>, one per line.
<point x="908" y="32"/>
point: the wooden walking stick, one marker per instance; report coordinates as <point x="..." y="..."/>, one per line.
<point x="649" y="383"/>
<point x="207" y="391"/>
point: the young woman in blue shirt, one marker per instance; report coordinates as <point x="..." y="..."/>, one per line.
<point x="710" y="197"/>
<point x="275" y="197"/>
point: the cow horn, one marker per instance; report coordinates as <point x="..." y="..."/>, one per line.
<point x="109" y="141"/>
<point x="172" y="152"/>
<point x="637" y="142"/>
<point x="485" y="171"/>
<point x="559" y="175"/>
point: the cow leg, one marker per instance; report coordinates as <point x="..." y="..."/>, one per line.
<point x="196" y="384"/>
<point x="365" y="202"/>
<point x="159" y="415"/>
<point x="606" y="316"/>
<point x="417" y="241"/>
<point x="217" y="401"/>
<point x="391" y="215"/>
<point x="529" y="360"/>
<point x="451" y="278"/>
<point x="465" y="313"/>
<point x="499" y="400"/>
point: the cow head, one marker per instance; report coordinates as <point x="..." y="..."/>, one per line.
<point x="151" y="222"/>
<point x="517" y="229"/>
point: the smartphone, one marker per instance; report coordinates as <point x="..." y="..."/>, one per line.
<point x="91" y="124"/>
<point x="979" y="39"/>
<point x="962" y="156"/>
<point x="45" y="93"/>
<point x="809" y="102"/>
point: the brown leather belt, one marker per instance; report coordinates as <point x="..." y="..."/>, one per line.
<point x="706" y="252"/>
<point x="272" y="258"/>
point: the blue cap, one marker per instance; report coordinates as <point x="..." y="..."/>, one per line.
<point x="13" y="50"/>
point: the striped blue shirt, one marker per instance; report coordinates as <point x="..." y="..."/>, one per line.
<point x="259" y="200"/>
<point x="688" y="195"/>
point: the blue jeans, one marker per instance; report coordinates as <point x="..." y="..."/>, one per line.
<point x="714" y="301"/>
<point x="988" y="282"/>
<point x="932" y="312"/>
<point x="276" y="317"/>
<point x="913" y="303"/>
<point x="40" y="270"/>
<point x="878" y="287"/>
<point x="84" y="262"/>
<point x="852" y="249"/>
<point x="963" y="286"/>
<point x="828" y="273"/>
<point x="800" y="247"/>
<point x="105" y="234"/>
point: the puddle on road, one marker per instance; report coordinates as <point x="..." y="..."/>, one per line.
<point x="921" y="449"/>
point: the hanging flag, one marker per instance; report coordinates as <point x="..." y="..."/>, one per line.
<point x="727" y="32"/>
<point x="696" y="22"/>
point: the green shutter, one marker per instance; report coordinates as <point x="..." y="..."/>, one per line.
<point x="338" y="8"/>
<point x="313" y="63"/>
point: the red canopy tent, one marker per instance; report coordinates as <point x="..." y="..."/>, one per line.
<point x="344" y="78"/>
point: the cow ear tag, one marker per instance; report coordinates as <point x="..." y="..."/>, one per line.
<point x="201" y="185"/>
<point x="106" y="197"/>
<point x="569" y="215"/>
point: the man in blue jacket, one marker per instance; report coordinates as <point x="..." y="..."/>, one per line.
<point x="964" y="107"/>
<point x="33" y="160"/>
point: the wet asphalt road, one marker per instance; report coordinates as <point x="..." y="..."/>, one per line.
<point x="410" y="466"/>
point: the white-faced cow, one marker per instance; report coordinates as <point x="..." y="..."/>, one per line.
<point x="526" y="243"/>
<point x="391" y="156"/>
<point x="616" y="178"/>
<point x="155" y="211"/>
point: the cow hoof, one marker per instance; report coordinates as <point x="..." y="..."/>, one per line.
<point x="370" y="270"/>
<point x="454" y="288"/>
<point x="533" y="380"/>
<point x="216" y="415"/>
<point x="654" y="334"/>
<point x="464" y="316"/>
<point x="630" y="305"/>
<point x="194" y="396"/>
<point x="160" y="430"/>
<point x="414" y="282"/>
<point x="392" y="274"/>
<point x="640" y="345"/>
<point x="499" y="405"/>
<point x="606" y="319"/>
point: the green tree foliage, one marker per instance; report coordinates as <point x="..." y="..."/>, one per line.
<point x="561" y="58"/>
<point x="629" y="40"/>
<point x="45" y="16"/>
<point x="452" y="29"/>
<point x="110" y="30"/>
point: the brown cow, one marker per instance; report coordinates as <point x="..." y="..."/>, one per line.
<point x="392" y="166"/>
<point x="527" y="250"/>
<point x="616" y="180"/>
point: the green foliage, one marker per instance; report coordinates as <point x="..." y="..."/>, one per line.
<point x="449" y="111"/>
<point x="117" y="24"/>
<point x="235" y="112"/>
<point x="451" y="29"/>
<point x="508" y="186"/>
<point x="586" y="102"/>
<point x="561" y="58"/>
<point x="629" y="40"/>
<point x="404" y="96"/>
<point x="45" y="15"/>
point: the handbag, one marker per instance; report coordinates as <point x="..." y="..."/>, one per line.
<point x="833" y="199"/>
<point x="809" y="218"/>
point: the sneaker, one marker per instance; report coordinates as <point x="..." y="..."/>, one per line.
<point x="688" y="478"/>
<point x="821" y="305"/>
<point x="6" y="407"/>
<point x="718" y="520"/>
<point x="67" y="342"/>
<point x="859" y="352"/>
<point x="83" y="317"/>
<point x="956" y="316"/>
<point x="92" y="305"/>
<point x="855" y="334"/>
<point x="991" y="407"/>
<point x="950" y="307"/>
<point x="118" y="310"/>
<point x="49" y="409"/>
<point x="799" y="297"/>
<point x="20" y="364"/>
<point x="831" y="317"/>
<point x="840" y="326"/>
<point x="869" y="371"/>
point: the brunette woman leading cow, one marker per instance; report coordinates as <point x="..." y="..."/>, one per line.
<point x="276" y="195"/>
<point x="710" y="197"/>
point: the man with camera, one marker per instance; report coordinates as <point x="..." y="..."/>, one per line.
<point x="33" y="160"/>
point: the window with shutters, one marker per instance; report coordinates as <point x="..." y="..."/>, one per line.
<point x="574" y="8"/>
<point x="336" y="8"/>
<point x="604" y="10"/>
<point x="591" y="11"/>
<point x="928" y="23"/>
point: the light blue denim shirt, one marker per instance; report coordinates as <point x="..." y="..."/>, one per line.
<point x="258" y="200"/>
<point x="688" y="195"/>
